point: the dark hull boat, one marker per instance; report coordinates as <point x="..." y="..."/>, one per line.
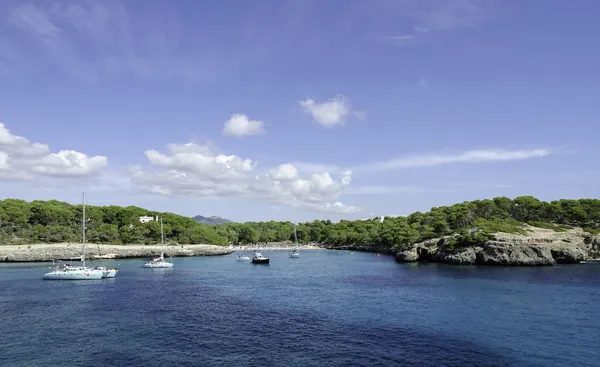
<point x="258" y="258"/>
<point x="260" y="261"/>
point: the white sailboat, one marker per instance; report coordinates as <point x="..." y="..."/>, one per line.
<point x="295" y="253"/>
<point x="242" y="258"/>
<point x="159" y="262"/>
<point x="68" y="272"/>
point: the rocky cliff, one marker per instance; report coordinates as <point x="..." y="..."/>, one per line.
<point x="538" y="247"/>
<point x="65" y="251"/>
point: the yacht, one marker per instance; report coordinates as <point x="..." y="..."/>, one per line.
<point x="259" y="258"/>
<point x="159" y="262"/>
<point x="242" y="258"/>
<point x="68" y="272"/>
<point x="295" y="253"/>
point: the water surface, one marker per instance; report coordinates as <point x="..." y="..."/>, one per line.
<point x="328" y="308"/>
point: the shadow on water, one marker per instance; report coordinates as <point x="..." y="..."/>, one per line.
<point x="197" y="325"/>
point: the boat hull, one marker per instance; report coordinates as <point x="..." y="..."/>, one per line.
<point x="74" y="275"/>
<point x="260" y="261"/>
<point x="109" y="273"/>
<point x="157" y="266"/>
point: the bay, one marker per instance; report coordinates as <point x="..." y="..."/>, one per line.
<point x="328" y="308"/>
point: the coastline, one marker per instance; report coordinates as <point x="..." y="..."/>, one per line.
<point x="72" y="251"/>
<point x="539" y="247"/>
<point x="272" y="247"/>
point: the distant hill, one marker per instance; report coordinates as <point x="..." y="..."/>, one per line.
<point x="211" y="220"/>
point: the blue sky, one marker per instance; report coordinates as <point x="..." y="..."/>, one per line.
<point x="298" y="110"/>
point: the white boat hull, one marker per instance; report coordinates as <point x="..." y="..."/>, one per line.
<point x="294" y="256"/>
<point x="74" y="275"/>
<point x="111" y="273"/>
<point x="158" y="265"/>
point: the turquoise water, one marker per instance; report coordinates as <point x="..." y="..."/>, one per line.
<point x="328" y="308"/>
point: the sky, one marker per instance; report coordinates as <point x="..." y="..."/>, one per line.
<point x="298" y="110"/>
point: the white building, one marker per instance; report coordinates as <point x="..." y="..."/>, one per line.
<point x="146" y="219"/>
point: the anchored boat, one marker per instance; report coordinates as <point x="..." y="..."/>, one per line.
<point x="68" y="272"/>
<point x="159" y="262"/>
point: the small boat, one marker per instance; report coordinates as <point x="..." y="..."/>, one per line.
<point x="158" y="262"/>
<point x="107" y="272"/>
<point x="68" y="272"/>
<point x="295" y="253"/>
<point x="107" y="256"/>
<point x="242" y="258"/>
<point x="377" y="254"/>
<point x="259" y="258"/>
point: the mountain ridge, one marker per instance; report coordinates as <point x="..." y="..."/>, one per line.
<point x="211" y="220"/>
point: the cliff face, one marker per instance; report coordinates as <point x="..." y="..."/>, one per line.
<point x="538" y="247"/>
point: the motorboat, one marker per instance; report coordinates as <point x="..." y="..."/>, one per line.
<point x="259" y="258"/>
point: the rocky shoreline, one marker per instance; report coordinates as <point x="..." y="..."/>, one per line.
<point x="71" y="251"/>
<point x="540" y="247"/>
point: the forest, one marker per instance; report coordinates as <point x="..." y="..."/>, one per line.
<point x="53" y="221"/>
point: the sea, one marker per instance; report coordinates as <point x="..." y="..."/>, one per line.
<point x="327" y="308"/>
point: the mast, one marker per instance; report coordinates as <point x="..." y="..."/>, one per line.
<point x="83" y="230"/>
<point x="162" y="238"/>
<point x="295" y="237"/>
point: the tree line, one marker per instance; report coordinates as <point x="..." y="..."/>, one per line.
<point x="53" y="221"/>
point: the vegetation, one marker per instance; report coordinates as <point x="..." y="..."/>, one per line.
<point x="471" y="222"/>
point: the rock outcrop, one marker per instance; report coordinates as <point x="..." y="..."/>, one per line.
<point x="539" y="247"/>
<point x="64" y="251"/>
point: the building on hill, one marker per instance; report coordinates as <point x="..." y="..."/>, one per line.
<point x="146" y="219"/>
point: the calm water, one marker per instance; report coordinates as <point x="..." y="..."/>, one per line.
<point x="328" y="308"/>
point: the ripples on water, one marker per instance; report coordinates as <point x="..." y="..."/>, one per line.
<point x="328" y="308"/>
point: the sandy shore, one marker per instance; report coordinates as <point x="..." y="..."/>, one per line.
<point x="66" y="251"/>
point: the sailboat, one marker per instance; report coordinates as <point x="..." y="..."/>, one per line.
<point x="295" y="253"/>
<point x="68" y="272"/>
<point x="106" y="272"/>
<point x="242" y="258"/>
<point x="159" y="262"/>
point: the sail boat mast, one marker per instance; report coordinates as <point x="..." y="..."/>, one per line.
<point x="295" y="236"/>
<point x="83" y="230"/>
<point x="162" y="234"/>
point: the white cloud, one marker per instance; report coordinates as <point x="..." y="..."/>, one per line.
<point x="332" y="112"/>
<point x="193" y="170"/>
<point x="21" y="159"/>
<point x="240" y="125"/>
<point x="32" y="19"/>
<point x="473" y="156"/>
